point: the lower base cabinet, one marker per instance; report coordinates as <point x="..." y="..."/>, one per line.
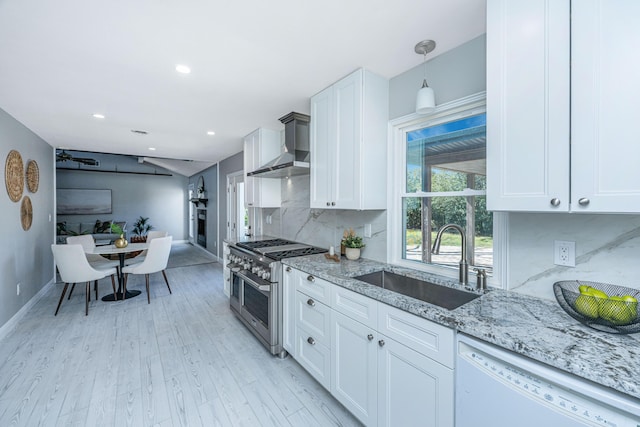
<point x="402" y="377"/>
<point x="413" y="390"/>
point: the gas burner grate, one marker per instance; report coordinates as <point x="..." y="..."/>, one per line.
<point x="311" y="250"/>
<point x="265" y="243"/>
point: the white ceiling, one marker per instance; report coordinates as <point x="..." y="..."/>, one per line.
<point x="252" y="62"/>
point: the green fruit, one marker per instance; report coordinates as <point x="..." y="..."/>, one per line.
<point x="597" y="293"/>
<point x="618" y="311"/>
<point x="584" y="289"/>
<point x="587" y="306"/>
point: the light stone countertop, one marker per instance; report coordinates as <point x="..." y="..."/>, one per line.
<point x="533" y="327"/>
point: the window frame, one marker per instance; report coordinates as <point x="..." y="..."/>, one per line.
<point x="396" y="188"/>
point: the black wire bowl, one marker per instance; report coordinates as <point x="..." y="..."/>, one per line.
<point x="615" y="317"/>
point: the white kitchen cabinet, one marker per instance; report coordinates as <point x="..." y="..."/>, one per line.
<point x="289" y="277"/>
<point x="388" y="367"/>
<point x="413" y="389"/>
<point x="348" y="140"/>
<point x="354" y="367"/>
<point x="559" y="93"/>
<point x="261" y="146"/>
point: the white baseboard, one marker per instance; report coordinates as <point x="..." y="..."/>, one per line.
<point x="13" y="322"/>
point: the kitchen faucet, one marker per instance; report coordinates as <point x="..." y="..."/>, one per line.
<point x="464" y="265"/>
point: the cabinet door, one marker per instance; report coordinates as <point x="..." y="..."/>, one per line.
<point x="249" y="162"/>
<point x="288" y="309"/>
<point x="322" y="147"/>
<point x="413" y="389"/>
<point x="528" y="68"/>
<point x="347" y="161"/>
<point x="604" y="79"/>
<point x="354" y="367"/>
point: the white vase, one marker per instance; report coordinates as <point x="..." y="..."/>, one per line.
<point x="352" y="253"/>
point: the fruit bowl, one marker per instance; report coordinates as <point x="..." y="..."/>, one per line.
<point x="601" y="312"/>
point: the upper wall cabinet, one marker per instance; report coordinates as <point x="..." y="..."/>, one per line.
<point x="260" y="146"/>
<point x="560" y="89"/>
<point x="348" y="142"/>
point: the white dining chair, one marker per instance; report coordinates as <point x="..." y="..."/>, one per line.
<point x="155" y="261"/>
<point x="74" y="267"/>
<point x="87" y="242"/>
<point x="153" y="234"/>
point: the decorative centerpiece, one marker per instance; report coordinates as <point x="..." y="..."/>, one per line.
<point x="352" y="244"/>
<point x="120" y="242"/>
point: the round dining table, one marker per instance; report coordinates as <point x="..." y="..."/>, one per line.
<point x="113" y="249"/>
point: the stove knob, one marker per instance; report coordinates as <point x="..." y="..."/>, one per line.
<point x="266" y="275"/>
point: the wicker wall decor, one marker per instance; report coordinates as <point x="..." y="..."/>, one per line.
<point x="14" y="175"/>
<point x="26" y="213"/>
<point x="33" y="176"/>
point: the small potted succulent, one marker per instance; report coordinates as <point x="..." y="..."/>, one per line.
<point x="352" y="244"/>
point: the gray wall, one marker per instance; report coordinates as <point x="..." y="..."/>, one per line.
<point x="229" y="165"/>
<point x="163" y="199"/>
<point x="25" y="256"/>
<point x="453" y="75"/>
<point x="210" y="176"/>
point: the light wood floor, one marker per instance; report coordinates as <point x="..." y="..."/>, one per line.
<point x="182" y="360"/>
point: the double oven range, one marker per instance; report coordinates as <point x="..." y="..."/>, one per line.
<point x="256" y="286"/>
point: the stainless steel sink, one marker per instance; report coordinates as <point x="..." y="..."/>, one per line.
<point x="432" y="293"/>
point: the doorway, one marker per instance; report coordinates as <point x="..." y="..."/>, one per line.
<point x="237" y="213"/>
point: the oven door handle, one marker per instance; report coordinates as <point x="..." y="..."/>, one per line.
<point x="250" y="282"/>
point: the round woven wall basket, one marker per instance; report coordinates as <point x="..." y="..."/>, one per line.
<point x="33" y="176"/>
<point x="26" y="213"/>
<point x="14" y="175"/>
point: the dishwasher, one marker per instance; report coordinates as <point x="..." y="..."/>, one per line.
<point x="499" y="388"/>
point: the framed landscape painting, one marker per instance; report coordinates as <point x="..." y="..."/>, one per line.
<point x="75" y="201"/>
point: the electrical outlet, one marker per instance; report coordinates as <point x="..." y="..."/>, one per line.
<point x="18" y="289"/>
<point x="367" y="230"/>
<point x="564" y="253"/>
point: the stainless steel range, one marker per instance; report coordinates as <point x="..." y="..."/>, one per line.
<point x="256" y="286"/>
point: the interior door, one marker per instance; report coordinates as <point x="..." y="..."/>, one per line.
<point x="236" y="210"/>
<point x="192" y="217"/>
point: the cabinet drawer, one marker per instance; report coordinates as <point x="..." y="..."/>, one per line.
<point x="356" y="306"/>
<point x="318" y="289"/>
<point x="421" y="335"/>
<point x="314" y="357"/>
<point x="314" y="317"/>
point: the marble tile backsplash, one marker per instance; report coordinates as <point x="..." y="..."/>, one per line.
<point x="607" y="246"/>
<point x="295" y="220"/>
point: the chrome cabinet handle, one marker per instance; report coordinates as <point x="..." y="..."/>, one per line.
<point x="311" y="302"/>
<point x="333" y="203"/>
<point x="311" y="341"/>
<point x="555" y="202"/>
<point x="583" y="201"/>
<point x="288" y="269"/>
<point x="370" y="337"/>
<point x="310" y="278"/>
<point x="328" y="204"/>
<point x="381" y="343"/>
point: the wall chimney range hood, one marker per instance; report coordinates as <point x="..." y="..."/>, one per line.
<point x="295" y="159"/>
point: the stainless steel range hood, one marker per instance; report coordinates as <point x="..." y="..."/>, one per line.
<point x="295" y="159"/>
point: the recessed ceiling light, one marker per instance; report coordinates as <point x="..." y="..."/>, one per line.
<point x="211" y="133"/>
<point x="183" y="69"/>
<point x="152" y="148"/>
<point x="98" y="116"/>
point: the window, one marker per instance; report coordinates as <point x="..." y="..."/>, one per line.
<point x="440" y="179"/>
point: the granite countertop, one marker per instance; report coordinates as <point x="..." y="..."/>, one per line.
<point x="533" y="327"/>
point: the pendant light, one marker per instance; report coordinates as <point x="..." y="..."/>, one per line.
<point x="426" y="100"/>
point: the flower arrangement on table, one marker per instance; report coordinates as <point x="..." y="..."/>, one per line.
<point x="352" y="244"/>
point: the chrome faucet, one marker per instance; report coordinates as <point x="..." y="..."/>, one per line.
<point x="464" y="265"/>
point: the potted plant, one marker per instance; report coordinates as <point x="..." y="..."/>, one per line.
<point x="352" y="243"/>
<point x="140" y="229"/>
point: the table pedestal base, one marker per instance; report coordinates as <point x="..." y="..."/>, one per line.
<point x="130" y="294"/>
